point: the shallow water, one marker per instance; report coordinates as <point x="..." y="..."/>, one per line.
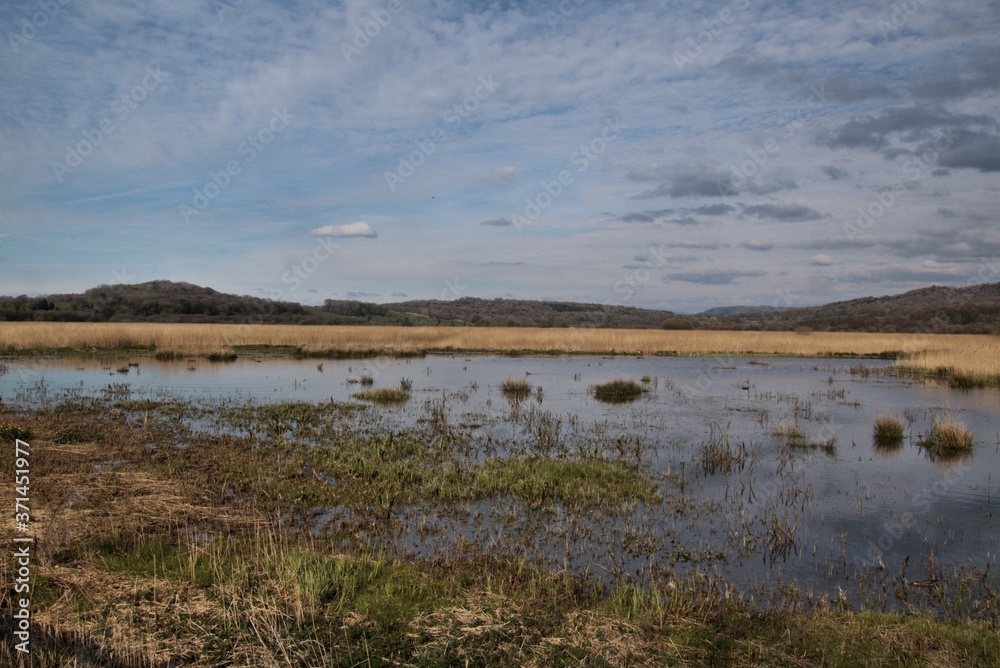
<point x="846" y="511"/>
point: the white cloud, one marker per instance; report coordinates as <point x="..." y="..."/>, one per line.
<point x="821" y="260"/>
<point x="358" y="229"/>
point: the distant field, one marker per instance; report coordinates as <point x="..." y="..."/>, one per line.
<point x="966" y="354"/>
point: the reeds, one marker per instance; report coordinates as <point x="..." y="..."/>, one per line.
<point x="973" y="355"/>
<point x="948" y="436"/>
<point x="887" y="431"/>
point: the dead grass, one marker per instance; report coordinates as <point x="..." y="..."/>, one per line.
<point x="949" y="435"/>
<point x="970" y="354"/>
<point x="887" y="431"/>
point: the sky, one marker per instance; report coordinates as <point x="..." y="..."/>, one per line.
<point x="674" y="155"/>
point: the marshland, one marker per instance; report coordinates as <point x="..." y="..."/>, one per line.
<point x="454" y="508"/>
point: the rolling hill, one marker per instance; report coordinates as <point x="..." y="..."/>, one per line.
<point x="973" y="309"/>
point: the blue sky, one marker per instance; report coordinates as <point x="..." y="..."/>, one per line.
<point x="656" y="154"/>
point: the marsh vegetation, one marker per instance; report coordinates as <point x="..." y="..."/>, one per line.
<point x="278" y="518"/>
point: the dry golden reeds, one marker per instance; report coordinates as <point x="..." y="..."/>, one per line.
<point x="974" y="355"/>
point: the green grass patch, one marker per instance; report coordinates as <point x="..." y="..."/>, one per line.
<point x="575" y="483"/>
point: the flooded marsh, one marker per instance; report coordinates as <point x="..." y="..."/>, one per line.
<point x="761" y="472"/>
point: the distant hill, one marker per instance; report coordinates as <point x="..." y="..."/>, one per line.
<point x="974" y="309"/>
<point x="168" y="301"/>
<point x="723" y="311"/>
<point x="155" y="301"/>
<point x="524" y="313"/>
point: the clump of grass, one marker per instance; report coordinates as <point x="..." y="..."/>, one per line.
<point x="887" y="432"/>
<point x="618" y="390"/>
<point x="795" y="437"/>
<point x="515" y="388"/>
<point x="718" y="455"/>
<point x="222" y="357"/>
<point x="70" y="435"/>
<point x="384" y="395"/>
<point x="405" y="384"/>
<point x="367" y="380"/>
<point x="948" y="436"/>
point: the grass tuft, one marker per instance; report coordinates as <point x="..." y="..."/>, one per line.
<point x="384" y="395"/>
<point x="794" y="437"/>
<point x="515" y="388"/>
<point x="947" y="436"/>
<point x="618" y="390"/>
<point x="887" y="432"/>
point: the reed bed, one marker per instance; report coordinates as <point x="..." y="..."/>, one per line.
<point x="972" y="355"/>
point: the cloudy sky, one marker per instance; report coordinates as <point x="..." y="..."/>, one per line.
<point x="678" y="155"/>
